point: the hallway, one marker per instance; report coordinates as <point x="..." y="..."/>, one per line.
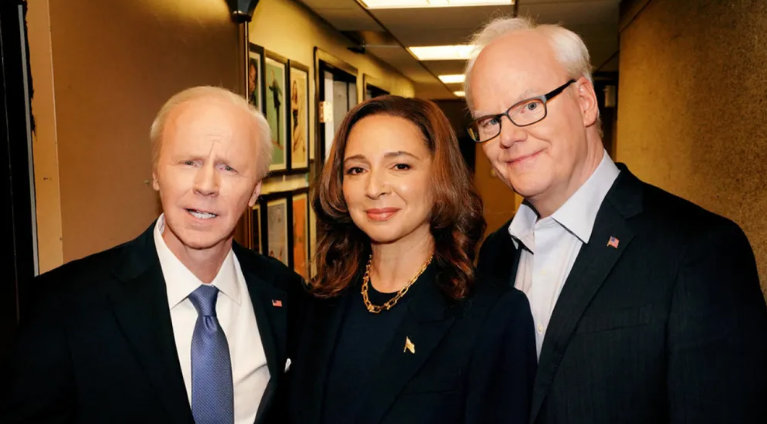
<point x="680" y="84"/>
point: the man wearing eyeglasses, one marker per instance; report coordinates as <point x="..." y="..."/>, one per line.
<point x="647" y="308"/>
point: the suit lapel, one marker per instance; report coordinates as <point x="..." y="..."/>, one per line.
<point x="270" y="305"/>
<point x="140" y="305"/>
<point x="591" y="268"/>
<point x="425" y="324"/>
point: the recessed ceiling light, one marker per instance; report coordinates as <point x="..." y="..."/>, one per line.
<point x="401" y="4"/>
<point x="459" y="52"/>
<point x="451" y="79"/>
<point x="459" y="93"/>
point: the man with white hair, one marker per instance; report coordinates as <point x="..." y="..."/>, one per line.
<point x="647" y="308"/>
<point x="180" y="325"/>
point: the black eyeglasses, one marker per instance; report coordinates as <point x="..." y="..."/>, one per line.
<point x="524" y="113"/>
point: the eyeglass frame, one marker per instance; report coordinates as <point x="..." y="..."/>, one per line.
<point x="543" y="98"/>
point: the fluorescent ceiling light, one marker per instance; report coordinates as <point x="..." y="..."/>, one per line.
<point x="451" y="79"/>
<point x="459" y="93"/>
<point x="459" y="52"/>
<point x="402" y="4"/>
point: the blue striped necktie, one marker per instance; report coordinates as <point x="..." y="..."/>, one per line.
<point x="212" y="389"/>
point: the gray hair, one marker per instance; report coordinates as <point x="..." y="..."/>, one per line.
<point x="568" y="47"/>
<point x="264" y="134"/>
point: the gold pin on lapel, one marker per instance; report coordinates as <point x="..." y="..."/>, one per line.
<point x="409" y="346"/>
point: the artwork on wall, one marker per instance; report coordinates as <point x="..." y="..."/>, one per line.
<point x="299" y="117"/>
<point x="276" y="105"/>
<point x="255" y="214"/>
<point x="312" y="241"/>
<point x="255" y="76"/>
<point x="276" y="231"/>
<point x="300" y="234"/>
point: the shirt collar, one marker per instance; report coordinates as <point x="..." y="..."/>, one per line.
<point x="577" y="215"/>
<point x="522" y="226"/>
<point x="181" y="282"/>
<point x="579" y="212"/>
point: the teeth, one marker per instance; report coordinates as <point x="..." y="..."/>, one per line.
<point x="202" y="215"/>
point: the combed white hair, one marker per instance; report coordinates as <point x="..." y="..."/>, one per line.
<point x="568" y="47"/>
<point x="264" y="134"/>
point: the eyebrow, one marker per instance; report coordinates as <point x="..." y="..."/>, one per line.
<point x="387" y="155"/>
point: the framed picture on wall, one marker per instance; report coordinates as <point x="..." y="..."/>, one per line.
<point x="312" y="241"/>
<point x="255" y="229"/>
<point x="300" y="233"/>
<point x="255" y="75"/>
<point x="299" y="117"/>
<point x="275" y="226"/>
<point x="276" y="106"/>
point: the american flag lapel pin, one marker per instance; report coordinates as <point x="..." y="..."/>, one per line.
<point x="613" y="242"/>
<point x="277" y="303"/>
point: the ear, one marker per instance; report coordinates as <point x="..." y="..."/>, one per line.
<point x="256" y="193"/>
<point x="587" y="101"/>
<point x="155" y="184"/>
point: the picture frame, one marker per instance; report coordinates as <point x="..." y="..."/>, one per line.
<point x="312" y="242"/>
<point x="255" y="228"/>
<point x="254" y="75"/>
<point x="276" y="105"/>
<point x="275" y="226"/>
<point x="300" y="137"/>
<point x="300" y="235"/>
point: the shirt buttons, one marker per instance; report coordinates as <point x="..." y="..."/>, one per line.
<point x="540" y="328"/>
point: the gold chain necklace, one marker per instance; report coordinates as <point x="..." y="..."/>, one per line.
<point x="393" y="301"/>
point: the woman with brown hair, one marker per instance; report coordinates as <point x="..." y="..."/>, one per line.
<point x="399" y="328"/>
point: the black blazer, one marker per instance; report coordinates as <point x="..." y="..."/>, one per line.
<point x="97" y="345"/>
<point x="669" y="327"/>
<point x="474" y="363"/>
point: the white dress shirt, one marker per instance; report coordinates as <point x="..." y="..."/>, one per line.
<point x="234" y="309"/>
<point x="550" y="245"/>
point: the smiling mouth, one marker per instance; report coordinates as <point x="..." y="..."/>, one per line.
<point x="523" y="158"/>
<point x="381" y="214"/>
<point x="201" y="214"/>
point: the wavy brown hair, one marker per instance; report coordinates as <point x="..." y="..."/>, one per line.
<point x="456" y="223"/>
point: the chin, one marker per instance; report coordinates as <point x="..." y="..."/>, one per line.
<point x="383" y="237"/>
<point x="527" y="185"/>
<point x="200" y="240"/>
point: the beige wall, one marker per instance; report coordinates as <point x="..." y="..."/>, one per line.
<point x="101" y="70"/>
<point x="692" y="114"/>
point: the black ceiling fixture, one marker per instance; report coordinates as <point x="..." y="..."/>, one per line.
<point x="242" y="10"/>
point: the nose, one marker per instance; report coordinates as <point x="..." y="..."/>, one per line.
<point x="377" y="184"/>
<point x="206" y="181"/>
<point x="510" y="133"/>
